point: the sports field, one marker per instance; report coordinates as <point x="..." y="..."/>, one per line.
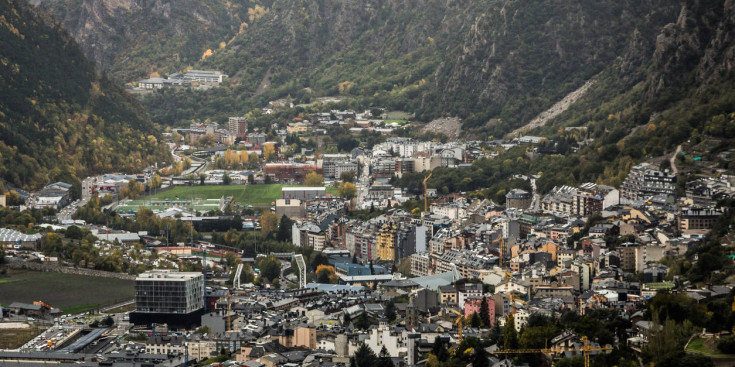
<point x="206" y="196"/>
<point x="399" y="117"/>
<point x="69" y="292"/>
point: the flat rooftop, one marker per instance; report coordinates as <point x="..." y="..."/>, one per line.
<point x="167" y="275"/>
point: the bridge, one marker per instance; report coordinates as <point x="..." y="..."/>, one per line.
<point x="299" y="262"/>
<point x="283" y="255"/>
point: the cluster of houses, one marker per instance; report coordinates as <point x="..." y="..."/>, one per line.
<point x="190" y="78"/>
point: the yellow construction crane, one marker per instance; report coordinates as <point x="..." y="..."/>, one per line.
<point x="426" y="198"/>
<point x="459" y="322"/>
<point x="229" y="305"/>
<point x="586" y="349"/>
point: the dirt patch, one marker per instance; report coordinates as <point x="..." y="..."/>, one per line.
<point x="264" y="84"/>
<point x="556" y="109"/>
<point x="449" y="126"/>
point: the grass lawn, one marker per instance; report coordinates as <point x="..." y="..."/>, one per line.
<point x="255" y="195"/>
<point x="706" y="347"/>
<point x="69" y="292"/>
<point x="398" y="115"/>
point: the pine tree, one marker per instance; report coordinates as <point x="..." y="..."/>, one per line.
<point x="364" y="357"/>
<point x="485" y="313"/>
<point x="440" y="350"/>
<point x="284" y="229"/>
<point x="384" y="358"/>
<point x="363" y="322"/>
<point x="390" y="311"/>
<point x="510" y="336"/>
<point x="475" y="320"/>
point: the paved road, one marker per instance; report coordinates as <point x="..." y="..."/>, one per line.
<point x="68" y="212"/>
<point x="672" y="160"/>
<point x="363" y="182"/>
<point x="536" y="204"/>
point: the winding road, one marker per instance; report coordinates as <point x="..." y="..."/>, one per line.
<point x="672" y="160"/>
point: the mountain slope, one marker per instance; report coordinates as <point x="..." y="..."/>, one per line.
<point x="496" y="64"/>
<point x="133" y="39"/>
<point x="60" y="119"/>
<point x="674" y="89"/>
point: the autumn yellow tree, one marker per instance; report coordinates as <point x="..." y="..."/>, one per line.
<point x="243" y="157"/>
<point x="207" y="54"/>
<point x="314" y="179"/>
<point x="347" y="190"/>
<point x="232" y="158"/>
<point x="253" y="159"/>
<point x="268" y="222"/>
<point x="156" y="181"/>
<point x="326" y="274"/>
<point x="269" y="152"/>
<point x="133" y="190"/>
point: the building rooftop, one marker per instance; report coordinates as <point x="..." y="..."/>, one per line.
<point x="167" y="275"/>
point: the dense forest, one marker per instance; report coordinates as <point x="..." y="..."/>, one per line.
<point x="59" y="118"/>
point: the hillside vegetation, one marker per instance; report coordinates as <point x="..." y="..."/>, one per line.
<point x="496" y="64"/>
<point x="661" y="70"/>
<point x="59" y="118"/>
<point x="135" y="39"/>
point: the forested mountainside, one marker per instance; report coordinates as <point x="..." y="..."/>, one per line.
<point x="59" y="118"/>
<point x="658" y="94"/>
<point x="496" y="64"/>
<point x="656" y="72"/>
<point x="133" y="39"/>
<point x="671" y="87"/>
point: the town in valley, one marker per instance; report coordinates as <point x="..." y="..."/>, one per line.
<point x="332" y="238"/>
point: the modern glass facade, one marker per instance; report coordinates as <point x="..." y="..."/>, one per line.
<point x="168" y="292"/>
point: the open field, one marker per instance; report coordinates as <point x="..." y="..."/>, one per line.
<point x="15" y="338"/>
<point x="255" y="195"/>
<point x="69" y="292"/>
<point x="397" y="115"/>
<point x="707" y="347"/>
